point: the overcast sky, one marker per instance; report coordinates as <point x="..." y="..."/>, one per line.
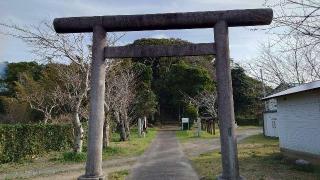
<point x="243" y="42"/>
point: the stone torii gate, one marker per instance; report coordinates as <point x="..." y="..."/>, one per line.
<point x="219" y="20"/>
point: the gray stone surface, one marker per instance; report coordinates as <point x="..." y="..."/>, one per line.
<point x="164" y="160"/>
<point x="160" y="50"/>
<point x="180" y="20"/>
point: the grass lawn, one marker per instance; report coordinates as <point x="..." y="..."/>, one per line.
<point x="191" y="134"/>
<point x="245" y="128"/>
<point x="259" y="158"/>
<point x="133" y="147"/>
<point x="119" y="175"/>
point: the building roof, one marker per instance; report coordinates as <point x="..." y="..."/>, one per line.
<point x="282" y="87"/>
<point x="297" y="89"/>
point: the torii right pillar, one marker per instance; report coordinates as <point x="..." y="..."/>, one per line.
<point x="228" y="140"/>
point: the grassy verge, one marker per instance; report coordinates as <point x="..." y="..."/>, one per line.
<point x="259" y="158"/>
<point x="119" y="175"/>
<point x="133" y="147"/>
<point x="244" y="128"/>
<point x="191" y="134"/>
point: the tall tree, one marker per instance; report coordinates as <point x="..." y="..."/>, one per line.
<point x="41" y="95"/>
<point x="247" y="92"/>
<point x="145" y="102"/>
<point x="291" y="54"/>
<point x="14" y="70"/>
<point x="163" y="67"/>
<point x="70" y="81"/>
<point x="50" y="46"/>
<point x="120" y="92"/>
<point x="299" y="18"/>
<point x="188" y="79"/>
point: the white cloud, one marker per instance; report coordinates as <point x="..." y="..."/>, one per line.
<point x="33" y="11"/>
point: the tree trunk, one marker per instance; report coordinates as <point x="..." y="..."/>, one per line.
<point x="106" y="132"/>
<point x="123" y="134"/>
<point x="214" y="127"/>
<point x="145" y="125"/>
<point x="139" y="127"/>
<point x="120" y="126"/>
<point x="126" y="125"/>
<point x="47" y="117"/>
<point x="78" y="133"/>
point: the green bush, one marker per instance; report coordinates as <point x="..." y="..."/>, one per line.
<point x="191" y="112"/>
<point x="74" y="157"/>
<point x="25" y="141"/>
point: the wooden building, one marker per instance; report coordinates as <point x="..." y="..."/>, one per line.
<point x="298" y="120"/>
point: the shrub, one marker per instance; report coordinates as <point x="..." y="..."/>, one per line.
<point x="74" y="157"/>
<point x="191" y="112"/>
<point x="13" y="110"/>
<point x="25" y="141"/>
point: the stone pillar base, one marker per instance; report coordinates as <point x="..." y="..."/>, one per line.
<point x="222" y="178"/>
<point x="84" y="177"/>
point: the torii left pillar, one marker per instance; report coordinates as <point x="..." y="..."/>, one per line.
<point x="95" y="131"/>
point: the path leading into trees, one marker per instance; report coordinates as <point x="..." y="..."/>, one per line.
<point x="163" y="160"/>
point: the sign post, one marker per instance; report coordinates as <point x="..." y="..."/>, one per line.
<point x="184" y="121"/>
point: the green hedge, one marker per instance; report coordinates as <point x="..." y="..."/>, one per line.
<point x="243" y="121"/>
<point x="23" y="141"/>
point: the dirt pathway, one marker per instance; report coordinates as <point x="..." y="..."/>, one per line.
<point x="164" y="160"/>
<point x="70" y="171"/>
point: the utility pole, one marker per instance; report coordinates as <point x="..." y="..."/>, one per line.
<point x="264" y="95"/>
<point x="263" y="86"/>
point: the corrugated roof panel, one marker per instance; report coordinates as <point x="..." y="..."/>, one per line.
<point x="301" y="88"/>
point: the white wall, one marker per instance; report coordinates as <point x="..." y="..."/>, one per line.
<point x="270" y="124"/>
<point x="299" y="121"/>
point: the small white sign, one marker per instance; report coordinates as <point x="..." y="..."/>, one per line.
<point x="185" y="120"/>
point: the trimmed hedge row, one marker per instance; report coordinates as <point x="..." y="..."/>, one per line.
<point x="23" y="141"/>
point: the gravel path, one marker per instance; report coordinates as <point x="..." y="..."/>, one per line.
<point x="164" y="160"/>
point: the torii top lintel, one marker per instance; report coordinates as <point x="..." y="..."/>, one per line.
<point x="186" y="20"/>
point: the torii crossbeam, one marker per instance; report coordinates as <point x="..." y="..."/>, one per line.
<point x="219" y="20"/>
